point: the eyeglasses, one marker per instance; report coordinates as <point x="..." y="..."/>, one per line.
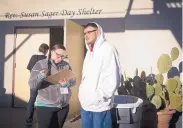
<point x="61" y="56"/>
<point x="89" y="32"/>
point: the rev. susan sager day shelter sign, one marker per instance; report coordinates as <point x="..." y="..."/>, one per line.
<point x="60" y="9"/>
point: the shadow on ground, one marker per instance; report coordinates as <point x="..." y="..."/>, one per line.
<point x="14" y="117"/>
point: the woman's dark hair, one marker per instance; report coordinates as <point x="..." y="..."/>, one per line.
<point x="56" y="46"/>
<point x="43" y="48"/>
<point x="91" y="25"/>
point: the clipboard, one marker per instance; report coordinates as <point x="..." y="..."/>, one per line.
<point x="61" y="75"/>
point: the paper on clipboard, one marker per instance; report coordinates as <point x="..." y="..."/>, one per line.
<point x="61" y="75"/>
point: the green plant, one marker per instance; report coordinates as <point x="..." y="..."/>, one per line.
<point x="157" y="101"/>
<point x="164" y="97"/>
<point x="159" y="78"/>
<point x="149" y="91"/>
<point x="168" y="96"/>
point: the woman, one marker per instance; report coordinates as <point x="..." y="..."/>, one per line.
<point x="52" y="100"/>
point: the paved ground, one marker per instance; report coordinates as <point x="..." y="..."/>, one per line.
<point x="14" y="118"/>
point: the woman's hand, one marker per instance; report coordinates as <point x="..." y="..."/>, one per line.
<point x="42" y="74"/>
<point x="67" y="83"/>
<point x="62" y="81"/>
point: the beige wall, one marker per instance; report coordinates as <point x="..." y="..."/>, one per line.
<point x="141" y="49"/>
<point x="8" y="67"/>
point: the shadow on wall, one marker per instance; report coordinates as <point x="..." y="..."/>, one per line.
<point x="18" y="47"/>
<point x="180" y="67"/>
<point x="165" y="17"/>
<point x="174" y="71"/>
<point x="109" y="25"/>
<point x="2" y="54"/>
<point x="3" y="97"/>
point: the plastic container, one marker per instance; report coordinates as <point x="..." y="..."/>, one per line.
<point x="128" y="111"/>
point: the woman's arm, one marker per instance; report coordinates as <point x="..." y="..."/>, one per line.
<point x="36" y="78"/>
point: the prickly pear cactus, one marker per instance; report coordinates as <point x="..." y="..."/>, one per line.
<point x="175" y="101"/>
<point x="165" y="97"/>
<point x="174" y="53"/>
<point x="157" y="101"/>
<point x="179" y="86"/>
<point x="171" y="84"/>
<point x="164" y="63"/>
<point x="158" y="89"/>
<point x="149" y="91"/>
<point x="159" y="78"/>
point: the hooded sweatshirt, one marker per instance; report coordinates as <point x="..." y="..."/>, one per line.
<point x="101" y="76"/>
<point x="49" y="94"/>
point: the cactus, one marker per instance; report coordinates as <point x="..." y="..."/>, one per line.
<point x="158" y="89"/>
<point x="171" y="85"/>
<point x="164" y="63"/>
<point x="174" y="53"/>
<point x="159" y="78"/>
<point x="165" y="97"/>
<point x="157" y="101"/>
<point x="149" y="91"/>
<point x="179" y="85"/>
<point x="175" y="101"/>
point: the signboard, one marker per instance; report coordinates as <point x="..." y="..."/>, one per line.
<point x="61" y="9"/>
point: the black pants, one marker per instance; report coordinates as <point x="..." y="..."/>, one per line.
<point x="30" y="108"/>
<point x="51" y="117"/>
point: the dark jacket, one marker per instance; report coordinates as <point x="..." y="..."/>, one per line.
<point x="34" y="59"/>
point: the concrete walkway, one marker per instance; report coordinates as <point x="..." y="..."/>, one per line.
<point x="15" y="118"/>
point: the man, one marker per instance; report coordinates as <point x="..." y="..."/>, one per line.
<point x="100" y="79"/>
<point x="43" y="50"/>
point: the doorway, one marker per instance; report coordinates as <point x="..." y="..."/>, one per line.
<point x="27" y="43"/>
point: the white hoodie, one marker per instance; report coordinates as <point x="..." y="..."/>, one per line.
<point x="100" y="77"/>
